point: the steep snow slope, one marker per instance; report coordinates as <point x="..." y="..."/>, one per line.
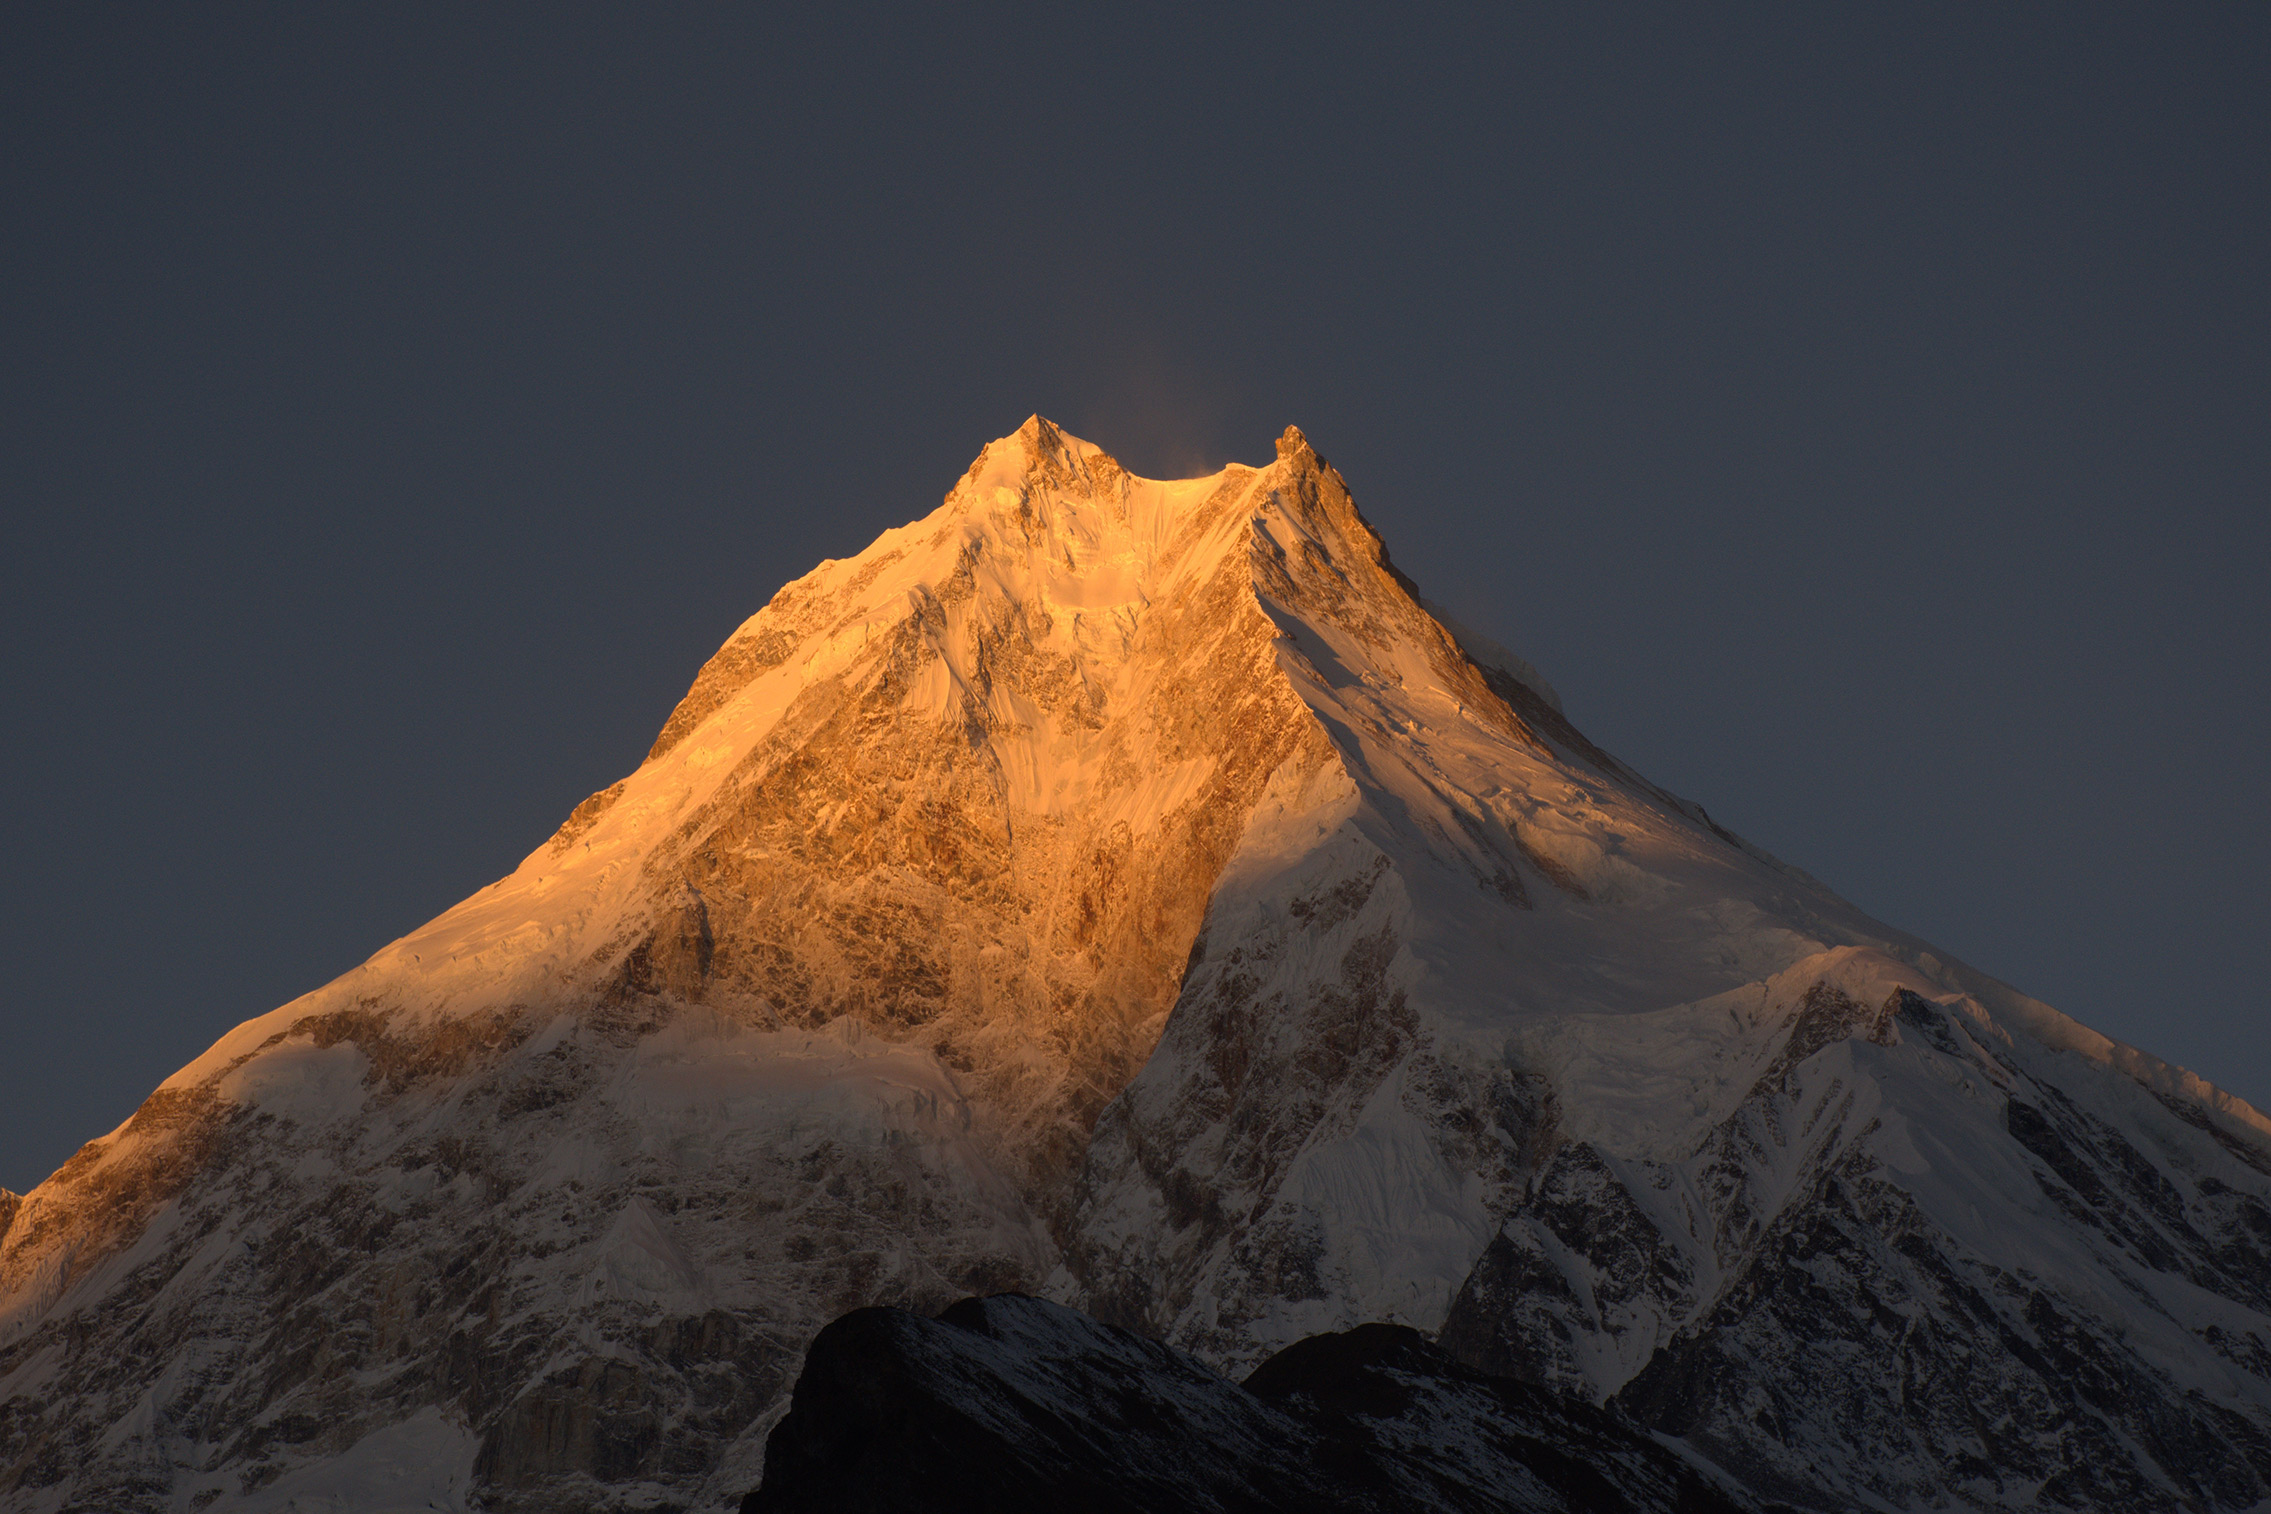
<point x="859" y="989"/>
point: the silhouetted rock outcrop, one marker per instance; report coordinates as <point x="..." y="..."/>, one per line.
<point x="1009" y="1405"/>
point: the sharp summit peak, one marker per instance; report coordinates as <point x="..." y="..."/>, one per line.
<point x="1043" y="439"/>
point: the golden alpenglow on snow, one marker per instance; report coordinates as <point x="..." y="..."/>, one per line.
<point x="1129" y="893"/>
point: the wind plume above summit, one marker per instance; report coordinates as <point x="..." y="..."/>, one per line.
<point x="1126" y="890"/>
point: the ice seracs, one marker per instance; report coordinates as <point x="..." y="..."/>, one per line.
<point x="1130" y="890"/>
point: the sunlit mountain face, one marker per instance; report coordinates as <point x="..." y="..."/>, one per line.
<point x="1130" y="893"/>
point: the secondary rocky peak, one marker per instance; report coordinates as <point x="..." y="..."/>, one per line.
<point x="1041" y="455"/>
<point x="1057" y="457"/>
<point x="1046" y="442"/>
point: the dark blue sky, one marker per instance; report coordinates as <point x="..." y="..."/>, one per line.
<point x="1862" y="414"/>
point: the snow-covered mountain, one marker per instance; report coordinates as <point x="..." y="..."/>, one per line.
<point x="1128" y="891"/>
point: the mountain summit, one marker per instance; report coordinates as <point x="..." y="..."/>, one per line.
<point x="1127" y="891"/>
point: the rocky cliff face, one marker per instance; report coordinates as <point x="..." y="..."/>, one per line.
<point x="1127" y="891"/>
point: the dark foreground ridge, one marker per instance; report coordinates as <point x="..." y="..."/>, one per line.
<point x="1008" y="1405"/>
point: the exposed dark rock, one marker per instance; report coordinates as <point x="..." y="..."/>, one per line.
<point x="1009" y="1404"/>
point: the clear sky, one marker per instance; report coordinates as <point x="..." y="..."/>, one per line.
<point x="1862" y="414"/>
